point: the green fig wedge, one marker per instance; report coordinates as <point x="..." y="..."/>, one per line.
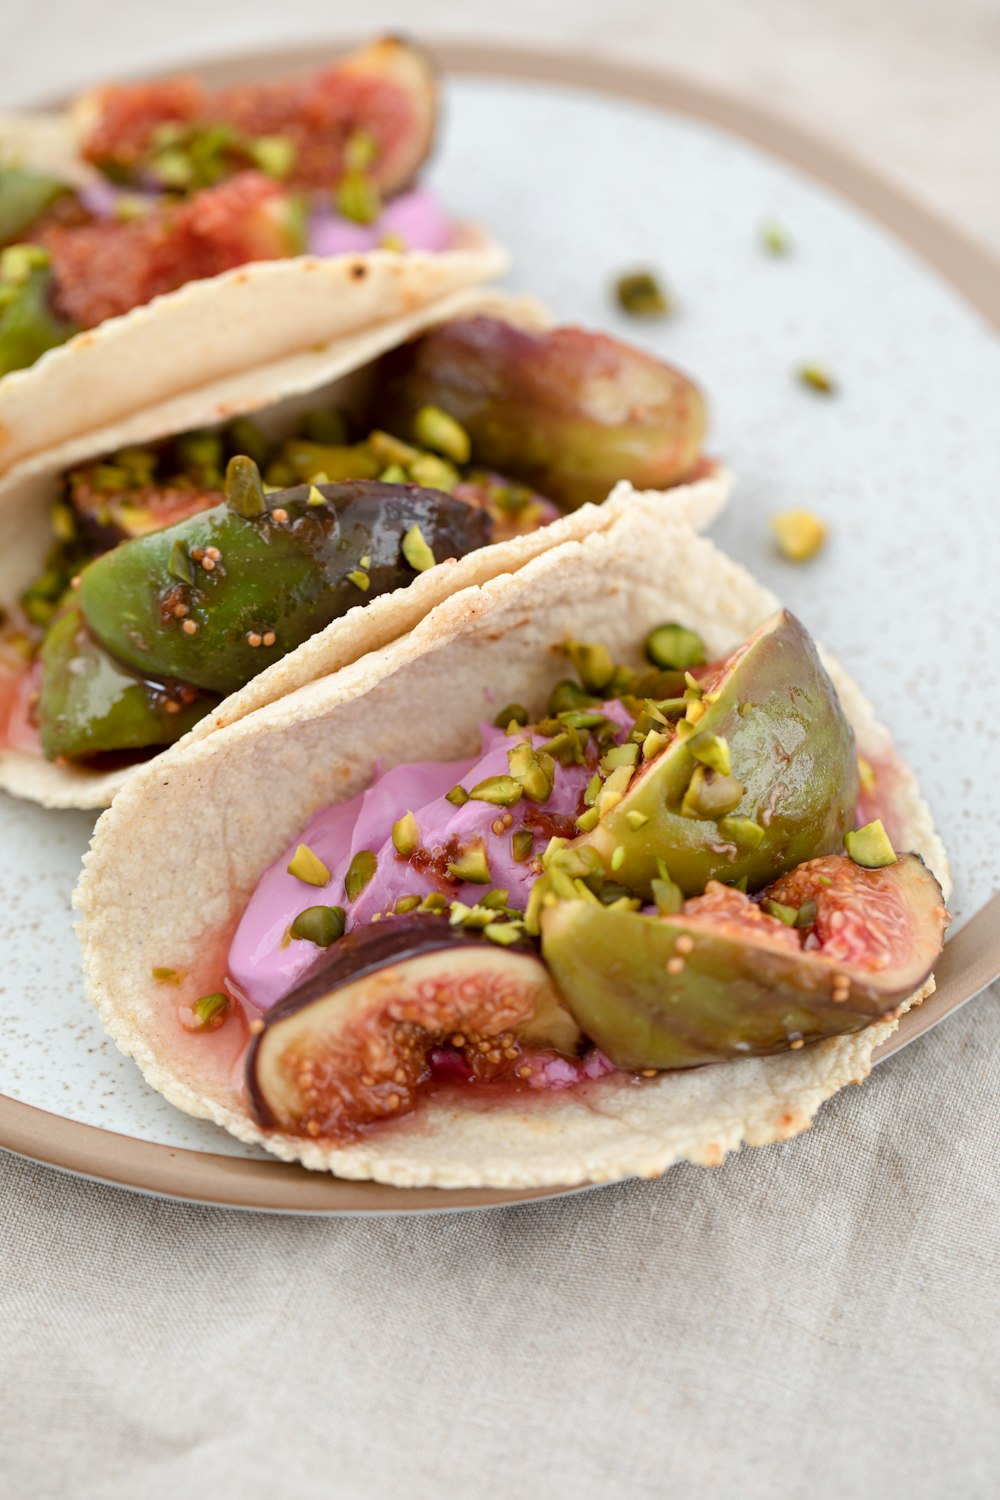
<point x="765" y="779"/>
<point x="723" y="979"/>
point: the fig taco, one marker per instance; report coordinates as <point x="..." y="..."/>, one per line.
<point x="161" y="235"/>
<point x="231" y="544"/>
<point x="604" y="865"/>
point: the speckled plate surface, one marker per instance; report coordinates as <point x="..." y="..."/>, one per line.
<point x="587" y="171"/>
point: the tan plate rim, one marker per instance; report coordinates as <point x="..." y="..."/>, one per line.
<point x="273" y="1186"/>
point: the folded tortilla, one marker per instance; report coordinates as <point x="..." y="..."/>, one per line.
<point x="150" y="897"/>
<point x="208" y="329"/>
<point x="276" y="395"/>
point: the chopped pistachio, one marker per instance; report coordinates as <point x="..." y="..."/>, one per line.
<point x="613" y="790"/>
<point x="807" y="914"/>
<point x="501" y="791"/>
<point x="316" y="497"/>
<point x="274" y="155"/>
<point x="668" y="896"/>
<point x="742" y="831"/>
<point x="593" y="790"/>
<point x="360" y="151"/>
<point x="513" y="713"/>
<point x="640" y="294"/>
<point x="817" y="379"/>
<point x="405" y="835"/>
<point x="774" y="238"/>
<point x="321" y="925"/>
<point x="359" y="873"/>
<point x="870" y="846"/>
<point x="866" y="775"/>
<point x="458" y="796"/>
<point x="521" y="844"/>
<point x="433" y="473"/>
<point x="566" y="748"/>
<point x="654" y="743"/>
<point x="244" y="489"/>
<point x="18" y="261"/>
<point x="594" y="664"/>
<point x="695" y="711"/>
<point x="462" y="915"/>
<point x="435" y="429"/>
<point x="434" y="901"/>
<point x="471" y="864"/>
<point x="618" y="857"/>
<point x="360" y="579"/>
<point x="588" y="820"/>
<point x="566" y="695"/>
<point x="710" y="794"/>
<point x="210" y="1010"/>
<point x="166" y="976"/>
<point x="798" y="533"/>
<point x="387" y="449"/>
<point x="636" y="820"/>
<point x="417" y="551"/>
<point x="393" y="474"/>
<point x="712" y="750"/>
<point x="307" y="866"/>
<point x="533" y="770"/>
<point x="358" y="198"/>
<point x="674" y="647"/>
<point x="620" y="755"/>
<point x="504" y="933"/>
<point x="494" y="900"/>
<point x="180" y="565"/>
<point x="407" y="903"/>
<point x="789" y="915"/>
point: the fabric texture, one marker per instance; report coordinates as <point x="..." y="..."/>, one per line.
<point x="812" y="1319"/>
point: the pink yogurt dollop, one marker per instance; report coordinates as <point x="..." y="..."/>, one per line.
<point x="416" y="218"/>
<point x="267" y="966"/>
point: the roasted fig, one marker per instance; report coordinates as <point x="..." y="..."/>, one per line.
<point x="725" y="979"/>
<point x="354" y="1044"/>
<point x="765" y="778"/>
<point x="216" y="598"/>
<point x="303" y="130"/>
<point x="567" y="412"/>
<point x="105" y="268"/>
<point x="89" y="704"/>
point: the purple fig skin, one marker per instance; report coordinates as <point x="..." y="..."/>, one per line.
<point x="568" y="412"/>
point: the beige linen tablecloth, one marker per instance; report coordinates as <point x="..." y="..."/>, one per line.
<point x="814" y="1319"/>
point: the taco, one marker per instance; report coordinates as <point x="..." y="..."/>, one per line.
<point x="160" y="236"/>
<point x="645" y="911"/>
<point x="229" y="545"/>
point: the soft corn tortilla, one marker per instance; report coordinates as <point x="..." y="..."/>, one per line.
<point x="209" y="329"/>
<point x="175" y="860"/>
<point x="275" y="396"/>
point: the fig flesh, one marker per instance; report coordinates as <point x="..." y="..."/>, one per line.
<point x="789" y="748"/>
<point x="176" y="132"/>
<point x="723" y="979"/>
<point x="567" y="412"/>
<point x="353" y="1045"/>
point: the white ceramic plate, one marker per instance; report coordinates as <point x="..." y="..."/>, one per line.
<point x="583" y="180"/>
